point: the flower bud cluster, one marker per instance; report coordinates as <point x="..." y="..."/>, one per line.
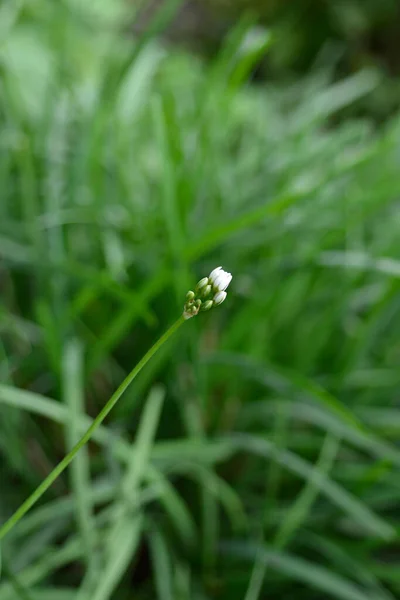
<point x="209" y="292"/>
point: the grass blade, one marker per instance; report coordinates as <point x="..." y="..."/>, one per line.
<point x="125" y="531"/>
<point x="350" y="505"/>
<point x="296" y="568"/>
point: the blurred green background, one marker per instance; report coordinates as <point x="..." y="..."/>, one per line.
<point x="256" y="457"/>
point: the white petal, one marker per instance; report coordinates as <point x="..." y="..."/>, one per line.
<point x="219" y="280"/>
<point x="222" y="281"/>
<point x="227" y="281"/>
<point x="214" y="273"/>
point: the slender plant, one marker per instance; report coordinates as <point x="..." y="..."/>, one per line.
<point x="209" y="292"/>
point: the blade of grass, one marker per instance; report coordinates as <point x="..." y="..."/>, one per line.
<point x="223" y="492"/>
<point x="71" y="551"/>
<point x="19" y="590"/>
<point x="139" y="456"/>
<point x="123" y="321"/>
<point x="369" y="442"/>
<point x="125" y="542"/>
<point x="170" y="199"/>
<point x="298" y="512"/>
<point x="350" y="505"/>
<point x="121" y="547"/>
<point x="161" y="565"/>
<point x="73" y="393"/>
<point x="257" y="577"/>
<point x="296" y="568"/>
<point x="218" y="235"/>
<point x="349" y="563"/>
<point x="279" y="439"/>
<point x="288" y="381"/>
<point x="62" y="508"/>
<point x="57" y="557"/>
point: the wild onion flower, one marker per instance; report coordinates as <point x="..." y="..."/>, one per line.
<point x="209" y="292"/>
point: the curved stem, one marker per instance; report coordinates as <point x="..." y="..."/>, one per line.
<point x="63" y="464"/>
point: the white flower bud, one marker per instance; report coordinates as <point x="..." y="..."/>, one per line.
<point x="219" y="298"/>
<point x="220" y="279"/>
<point x="213" y="273"/>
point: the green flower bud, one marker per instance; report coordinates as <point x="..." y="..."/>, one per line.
<point x="190" y="296"/>
<point x="201" y="284"/>
<point x="206" y="291"/>
<point x="198" y="303"/>
<point x="207" y="305"/>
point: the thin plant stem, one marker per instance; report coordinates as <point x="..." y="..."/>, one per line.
<point x="63" y="464"/>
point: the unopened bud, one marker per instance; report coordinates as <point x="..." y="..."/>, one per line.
<point x="201" y="284"/>
<point x="207" y="305"/>
<point x="219" y="298"/>
<point x="206" y="291"/>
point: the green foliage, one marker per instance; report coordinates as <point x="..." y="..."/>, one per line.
<point x="266" y="464"/>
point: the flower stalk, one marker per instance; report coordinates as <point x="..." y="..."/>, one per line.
<point x="209" y="292"/>
<point x="49" y="480"/>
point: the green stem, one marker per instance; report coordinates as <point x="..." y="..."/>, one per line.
<point x="46" y="483"/>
